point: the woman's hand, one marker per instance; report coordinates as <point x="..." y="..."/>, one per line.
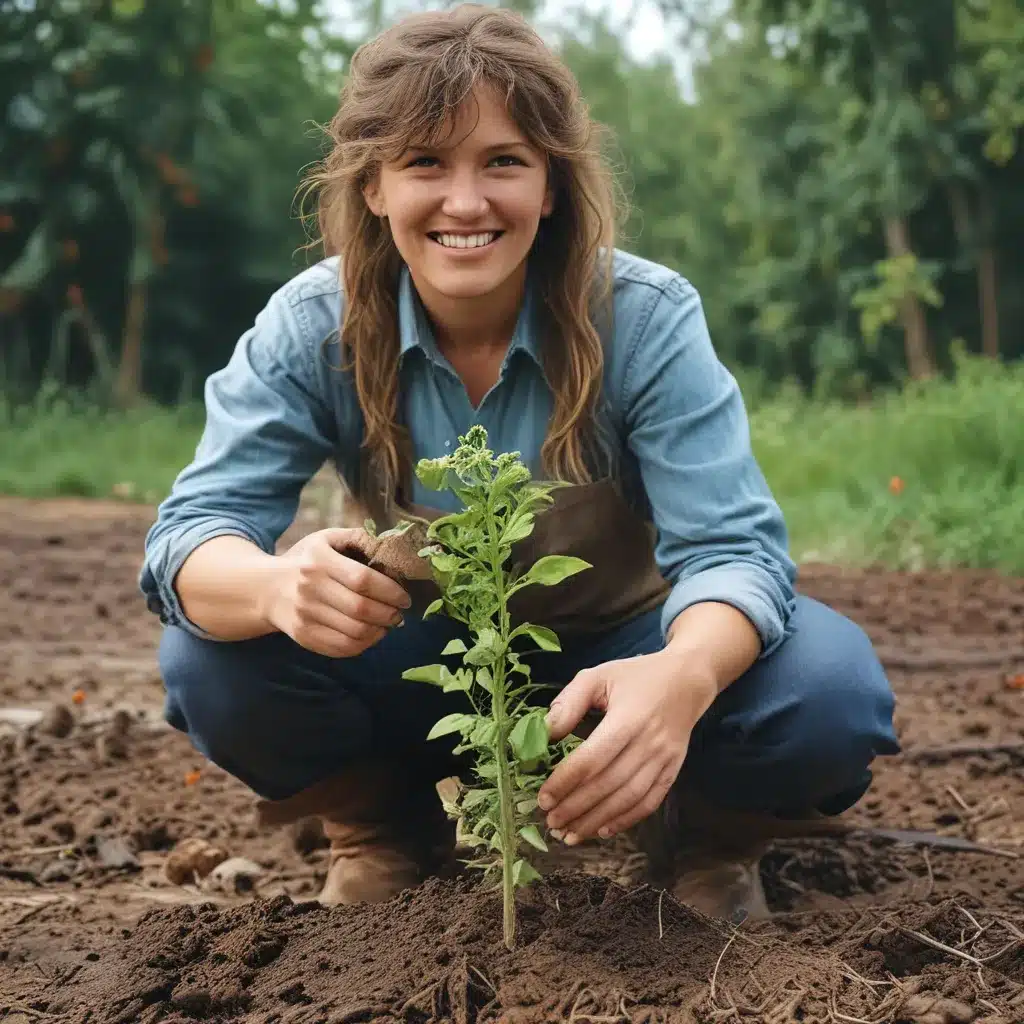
<point x="329" y="603"/>
<point x="623" y="771"/>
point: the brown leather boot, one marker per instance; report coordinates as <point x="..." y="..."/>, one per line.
<point x="707" y="858"/>
<point x="387" y="829"/>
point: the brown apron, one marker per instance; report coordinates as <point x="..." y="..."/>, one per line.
<point x="591" y="521"/>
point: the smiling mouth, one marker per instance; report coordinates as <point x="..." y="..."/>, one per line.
<point x="475" y="241"/>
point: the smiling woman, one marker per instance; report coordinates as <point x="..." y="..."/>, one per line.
<point x="471" y="278"/>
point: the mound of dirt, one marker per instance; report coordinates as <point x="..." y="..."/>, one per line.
<point x="586" y="946"/>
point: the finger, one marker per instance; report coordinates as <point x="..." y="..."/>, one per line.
<point x="344" y="625"/>
<point x="358" y="607"/>
<point x="587" y="690"/>
<point x="588" y="760"/>
<point x="646" y="807"/>
<point x="368" y="582"/>
<point x="631" y="763"/>
<point x="329" y="642"/>
<point x="620" y="789"/>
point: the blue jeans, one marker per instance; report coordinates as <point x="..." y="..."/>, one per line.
<point x="796" y="732"/>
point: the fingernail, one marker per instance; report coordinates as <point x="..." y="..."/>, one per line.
<point x="557" y="833"/>
<point x="397" y="619"/>
<point x="605" y="832"/>
<point x="571" y="839"/>
<point x="544" y="802"/>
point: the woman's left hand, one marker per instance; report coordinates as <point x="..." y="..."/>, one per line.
<point x="623" y="771"/>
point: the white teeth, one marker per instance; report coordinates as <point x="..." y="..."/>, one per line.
<point x="466" y="241"/>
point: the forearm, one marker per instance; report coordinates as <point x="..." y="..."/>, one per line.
<point x="224" y="587"/>
<point x="715" y="639"/>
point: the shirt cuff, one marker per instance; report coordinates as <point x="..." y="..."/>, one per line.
<point x="158" y="584"/>
<point x="744" y="587"/>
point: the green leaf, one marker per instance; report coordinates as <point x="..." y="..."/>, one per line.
<point x="520" y="528"/>
<point x="529" y="736"/>
<point x="445" y="562"/>
<point x="433" y="473"/>
<point x="485" y="733"/>
<point x="370" y="527"/>
<point x="487" y="648"/>
<point x="128" y="8"/>
<point x="478" y="796"/>
<point x="434" y="607"/>
<point x="527" y="806"/>
<point x="532" y="835"/>
<point x="455" y="646"/>
<point x="438" y="675"/>
<point x="544" y="638"/>
<point x="456" y="722"/>
<point x="523" y="873"/>
<point x="485" y="679"/>
<point x="459" y="682"/>
<point x="552" y="569"/>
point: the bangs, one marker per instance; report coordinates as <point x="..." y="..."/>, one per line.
<point x="423" y="105"/>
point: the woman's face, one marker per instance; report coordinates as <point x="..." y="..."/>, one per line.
<point x="465" y="215"/>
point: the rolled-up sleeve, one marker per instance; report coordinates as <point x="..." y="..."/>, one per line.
<point x="721" y="534"/>
<point x="268" y="429"/>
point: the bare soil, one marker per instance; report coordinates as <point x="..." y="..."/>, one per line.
<point x="865" y="930"/>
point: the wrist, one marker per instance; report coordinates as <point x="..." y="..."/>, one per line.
<point x="692" y="673"/>
<point x="266" y="589"/>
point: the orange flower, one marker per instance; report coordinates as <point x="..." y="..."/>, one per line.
<point x="188" y="196"/>
<point x="192" y="777"/>
<point x="75" y="295"/>
<point x="1016" y="682"/>
<point x="78" y="697"/>
<point x="69" y="249"/>
<point x="204" y="57"/>
<point x="896" y="485"/>
<point x="6" y="222"/>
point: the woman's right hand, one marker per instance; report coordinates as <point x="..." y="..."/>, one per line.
<point x="328" y="602"/>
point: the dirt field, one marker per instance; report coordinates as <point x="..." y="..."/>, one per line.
<point x="867" y="929"/>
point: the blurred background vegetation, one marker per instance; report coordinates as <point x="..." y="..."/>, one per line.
<point x="842" y="180"/>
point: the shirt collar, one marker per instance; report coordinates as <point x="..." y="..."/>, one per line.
<point x="415" y="330"/>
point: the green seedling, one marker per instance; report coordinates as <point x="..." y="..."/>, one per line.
<point x="507" y="735"/>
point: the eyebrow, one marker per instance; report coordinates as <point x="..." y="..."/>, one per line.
<point x="510" y="144"/>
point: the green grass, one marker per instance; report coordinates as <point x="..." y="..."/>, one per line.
<point x="66" y="446"/>
<point x="957" y="446"/>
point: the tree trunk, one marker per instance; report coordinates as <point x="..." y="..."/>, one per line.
<point x="129" y="372"/>
<point x="988" y="293"/>
<point x="975" y="239"/>
<point x="915" y="327"/>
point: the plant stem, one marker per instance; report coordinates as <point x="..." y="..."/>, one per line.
<point x="506" y="816"/>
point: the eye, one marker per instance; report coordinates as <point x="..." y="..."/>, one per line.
<point x="508" y="160"/>
<point x="422" y="161"/>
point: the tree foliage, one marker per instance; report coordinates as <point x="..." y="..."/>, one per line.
<point x="845" y="192"/>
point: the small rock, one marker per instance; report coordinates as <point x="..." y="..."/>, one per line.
<point x="111" y="747"/>
<point x="930" y="1008"/>
<point x="57" y="721"/>
<point x="114" y="852"/>
<point x="235" y="875"/>
<point x="192" y="858"/>
<point x="58" y="871"/>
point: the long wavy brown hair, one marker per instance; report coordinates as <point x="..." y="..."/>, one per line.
<point x="404" y="88"/>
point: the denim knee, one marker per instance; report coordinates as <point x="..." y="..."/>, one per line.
<point x="800" y="729"/>
<point x="842" y="719"/>
<point x="275" y="725"/>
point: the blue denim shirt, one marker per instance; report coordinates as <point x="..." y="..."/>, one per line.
<point x="280" y="408"/>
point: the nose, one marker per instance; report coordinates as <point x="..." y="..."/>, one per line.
<point x="464" y="196"/>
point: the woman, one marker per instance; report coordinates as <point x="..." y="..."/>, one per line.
<point x="472" y="278"/>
